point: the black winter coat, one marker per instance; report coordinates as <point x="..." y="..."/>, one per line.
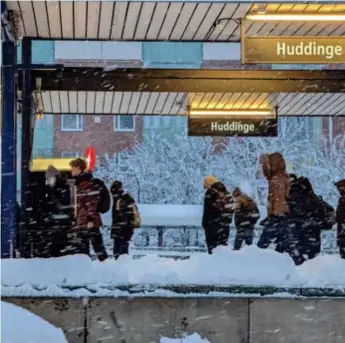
<point x="122" y="213"/>
<point x="59" y="204"/>
<point x="341" y="222"/>
<point x="217" y="212"/>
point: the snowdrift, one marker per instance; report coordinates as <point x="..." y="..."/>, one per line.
<point x="19" y="325"/>
<point x="250" y="266"/>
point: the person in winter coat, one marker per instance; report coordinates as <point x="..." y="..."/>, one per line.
<point x="60" y="213"/>
<point x="87" y="220"/>
<point x="340" y="217"/>
<point x="218" y="212"/>
<point x="122" y="228"/>
<point x="309" y="216"/>
<point x="246" y="216"/>
<point x="277" y="226"/>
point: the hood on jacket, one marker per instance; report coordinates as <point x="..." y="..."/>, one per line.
<point x="340" y="186"/>
<point x="219" y="187"/>
<point x="272" y="164"/>
<point x="52" y="172"/>
<point x="116" y="188"/>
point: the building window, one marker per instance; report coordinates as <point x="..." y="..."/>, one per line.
<point x="72" y="122"/>
<point x="124" y="123"/>
<point x="70" y="154"/>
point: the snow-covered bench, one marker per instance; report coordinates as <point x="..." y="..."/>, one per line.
<point x="164" y="217"/>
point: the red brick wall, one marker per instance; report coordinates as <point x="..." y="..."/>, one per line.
<point x="338" y="126"/>
<point x="100" y="135"/>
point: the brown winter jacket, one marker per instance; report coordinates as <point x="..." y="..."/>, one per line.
<point x="87" y="202"/>
<point x="340" y="214"/>
<point x="274" y="169"/>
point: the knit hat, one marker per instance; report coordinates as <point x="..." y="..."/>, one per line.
<point x="116" y="187"/>
<point x="209" y="181"/>
<point x="51" y="172"/>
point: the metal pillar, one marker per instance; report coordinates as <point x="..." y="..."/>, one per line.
<point x="8" y="149"/>
<point x="27" y="114"/>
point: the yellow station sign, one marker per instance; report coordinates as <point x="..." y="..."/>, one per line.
<point x="293" y="50"/>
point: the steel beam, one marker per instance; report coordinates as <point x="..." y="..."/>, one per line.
<point x="8" y="150"/>
<point x="213" y="81"/>
<point x="27" y="134"/>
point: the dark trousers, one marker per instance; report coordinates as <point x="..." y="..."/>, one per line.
<point x="79" y="240"/>
<point x="244" y="233"/>
<point x="122" y="237"/>
<point x="216" y="236"/>
<point x="280" y="230"/>
<point x="342" y="252"/>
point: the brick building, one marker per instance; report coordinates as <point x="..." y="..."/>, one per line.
<point x="107" y="134"/>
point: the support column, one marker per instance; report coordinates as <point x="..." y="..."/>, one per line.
<point x="8" y="150"/>
<point x="27" y="115"/>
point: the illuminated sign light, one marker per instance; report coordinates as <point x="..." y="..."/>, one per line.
<point x="293" y="50"/>
<point x="247" y="123"/>
<point x="296" y="17"/>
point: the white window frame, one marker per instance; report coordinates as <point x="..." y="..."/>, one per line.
<point x="118" y="129"/>
<point x="69" y="153"/>
<point x="80" y="121"/>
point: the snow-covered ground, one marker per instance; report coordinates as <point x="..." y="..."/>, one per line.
<point x="250" y="266"/>
<point x="21" y="326"/>
<point x="195" y="338"/>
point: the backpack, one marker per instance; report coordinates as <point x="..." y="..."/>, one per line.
<point x="326" y="217"/>
<point x="225" y="205"/>
<point x="104" y="196"/>
<point x="136" y="224"/>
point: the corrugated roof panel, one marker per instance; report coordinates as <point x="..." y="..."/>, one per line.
<point x="67" y="14"/>
<point x="108" y="102"/>
<point x="73" y="102"/>
<point x="106" y="16"/>
<point x="100" y="102"/>
<point x="155" y="103"/>
<point x="82" y="102"/>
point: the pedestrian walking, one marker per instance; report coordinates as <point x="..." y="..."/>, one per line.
<point x="125" y="218"/>
<point x="88" y="222"/>
<point x="340" y="217"/>
<point x="217" y="214"/>
<point x="246" y="216"/>
<point x="277" y="226"/>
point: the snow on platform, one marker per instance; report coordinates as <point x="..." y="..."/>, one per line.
<point x="250" y="267"/>
<point x="21" y="326"/>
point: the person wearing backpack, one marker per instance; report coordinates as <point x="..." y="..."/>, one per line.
<point x="217" y="214"/>
<point x="125" y="218"/>
<point x="310" y="215"/>
<point x="277" y="226"/>
<point x="340" y="217"/>
<point x="246" y="216"/>
<point x="88" y="221"/>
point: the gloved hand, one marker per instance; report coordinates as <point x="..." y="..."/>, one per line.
<point x="90" y="225"/>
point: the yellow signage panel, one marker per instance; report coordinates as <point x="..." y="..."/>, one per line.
<point x="42" y="164"/>
<point x="291" y="50"/>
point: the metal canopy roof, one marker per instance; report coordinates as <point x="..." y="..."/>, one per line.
<point x="164" y="20"/>
<point x="176" y="103"/>
<point x="189" y="80"/>
<point x="169" y="92"/>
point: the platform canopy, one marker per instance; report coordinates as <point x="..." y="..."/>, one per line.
<point x="171" y="92"/>
<point x="203" y="21"/>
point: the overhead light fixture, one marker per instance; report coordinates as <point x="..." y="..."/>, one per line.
<point x="240" y="113"/>
<point x="295" y="17"/>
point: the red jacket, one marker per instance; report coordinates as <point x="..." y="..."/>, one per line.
<point x="87" y="202"/>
